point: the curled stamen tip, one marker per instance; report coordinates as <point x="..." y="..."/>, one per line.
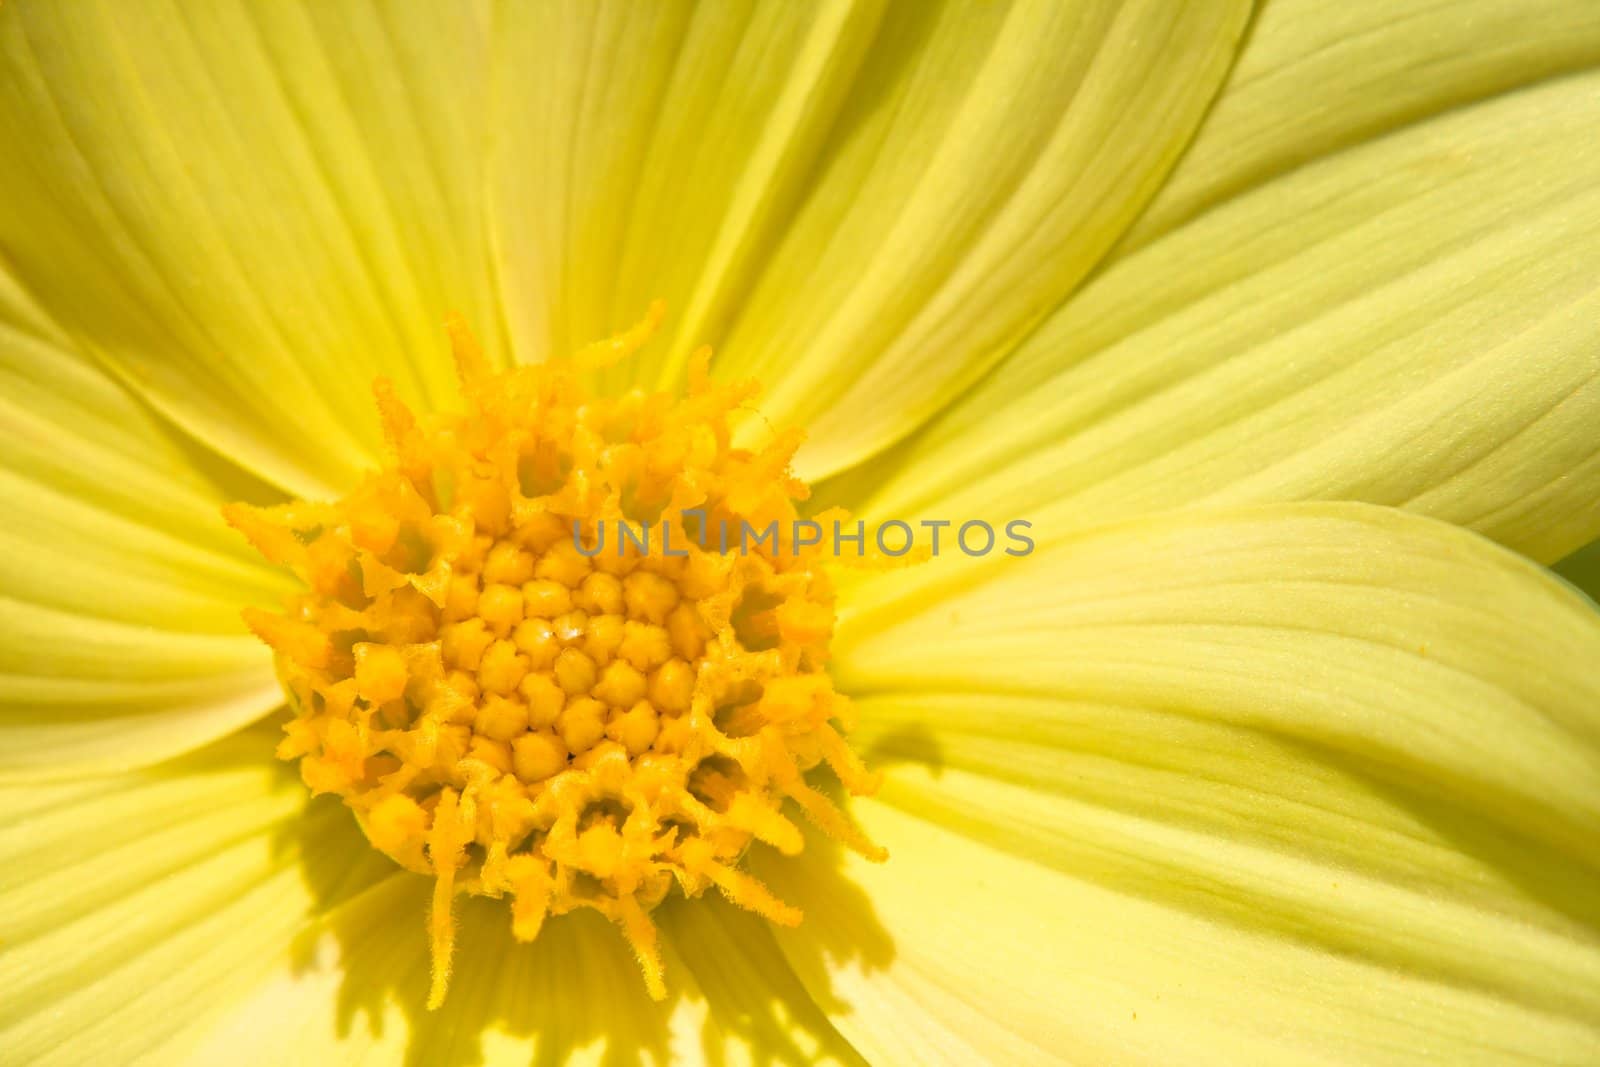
<point x="614" y="349"/>
<point x="301" y="642"/>
<point x="395" y="418"/>
<point x="699" y="370"/>
<point x="438" y="988"/>
<point x="235" y="513"/>
<point x="471" y="364"/>
<point x="641" y="935"/>
<point x="267" y="533"/>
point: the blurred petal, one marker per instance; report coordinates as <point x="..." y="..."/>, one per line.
<point x="863" y="212"/>
<point x="250" y="210"/>
<point x="1249" y="786"/>
<point x="1316" y="78"/>
<point x="120" y="639"/>
<point x="1582" y="569"/>
<point x="1410" y="322"/>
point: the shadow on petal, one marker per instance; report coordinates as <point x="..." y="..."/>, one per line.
<point x="575" y="993"/>
<point x="912" y="743"/>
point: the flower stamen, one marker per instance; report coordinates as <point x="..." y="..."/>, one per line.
<point x="517" y="709"/>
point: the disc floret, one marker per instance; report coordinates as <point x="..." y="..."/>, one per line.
<point x="520" y="710"/>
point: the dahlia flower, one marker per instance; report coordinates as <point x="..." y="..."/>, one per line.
<point x="346" y="345"/>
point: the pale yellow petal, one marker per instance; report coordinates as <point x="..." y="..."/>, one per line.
<point x="862" y="211"/>
<point x="1409" y="322"/>
<point x="80" y="694"/>
<point x="1318" y="77"/>
<point x="1295" y="784"/>
<point x="250" y="210"/>
<point x="120" y="639"/>
<point x="646" y="151"/>
<point x="997" y="959"/>
<point x="131" y="907"/>
<point x="95" y="485"/>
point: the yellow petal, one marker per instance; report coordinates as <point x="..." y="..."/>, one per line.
<point x="120" y="639"/>
<point x="1410" y="322"/>
<point x="131" y="907"/>
<point x="1316" y="79"/>
<point x="79" y="694"/>
<point x="1272" y="785"/>
<point x="250" y="210"/>
<point x="997" y="959"/>
<point x="87" y="468"/>
<point x="643" y="150"/>
<point x="864" y="212"/>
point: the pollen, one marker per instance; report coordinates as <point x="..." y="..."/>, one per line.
<point x="519" y="706"/>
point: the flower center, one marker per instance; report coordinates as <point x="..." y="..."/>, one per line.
<point x="533" y="664"/>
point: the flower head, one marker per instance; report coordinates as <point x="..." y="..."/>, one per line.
<point x="514" y="710"/>
<point x="1273" y="325"/>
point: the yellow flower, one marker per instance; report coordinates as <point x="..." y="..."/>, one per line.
<point x="1277" y="326"/>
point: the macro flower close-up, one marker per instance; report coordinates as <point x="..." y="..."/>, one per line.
<point x="750" y="531"/>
